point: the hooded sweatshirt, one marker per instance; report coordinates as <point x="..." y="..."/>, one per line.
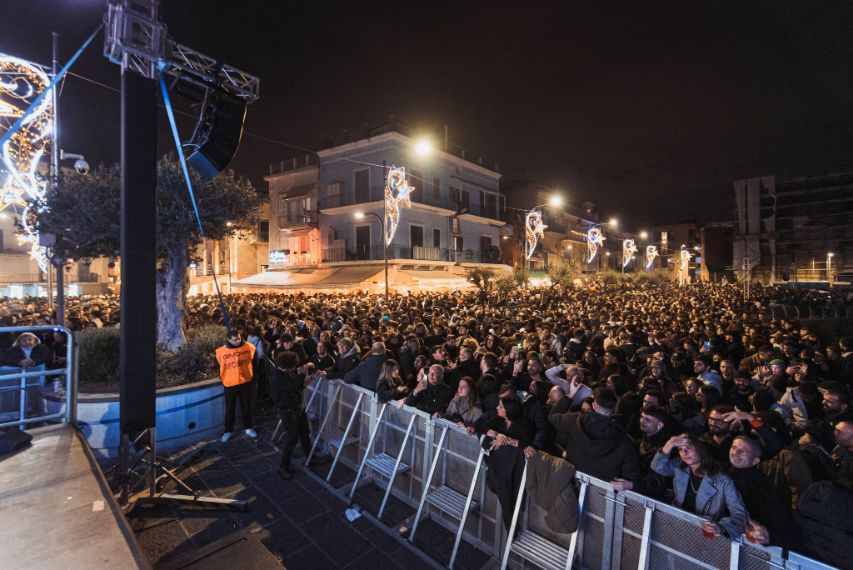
<point x="596" y="445"/>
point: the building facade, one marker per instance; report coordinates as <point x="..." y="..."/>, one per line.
<point x="327" y="214"/>
<point x="798" y="229"/>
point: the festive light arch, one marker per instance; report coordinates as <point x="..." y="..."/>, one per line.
<point x="21" y="82"/>
<point x="534" y="230"/>
<point x="594" y="240"/>
<point x="629" y="248"/>
<point x="651" y="254"/>
<point x="397" y="193"/>
<point x="685" y="259"/>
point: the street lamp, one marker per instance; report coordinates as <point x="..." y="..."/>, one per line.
<point x="644" y="235"/>
<point x="829" y="257"/>
<point x="534" y="229"/>
<point x="361" y="216"/>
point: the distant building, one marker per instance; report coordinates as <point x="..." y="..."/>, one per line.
<point x="325" y="212"/>
<point x="794" y="229"/>
<point x="564" y="232"/>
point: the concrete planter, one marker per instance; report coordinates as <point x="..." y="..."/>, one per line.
<point x="185" y="415"/>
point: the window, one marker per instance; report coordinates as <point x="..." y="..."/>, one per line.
<point x="459" y="198"/>
<point x="362" y="185"/>
<point x="436" y="189"/>
<point x="263" y="233"/>
<point x="416" y="181"/>
<point x="333" y="191"/>
<point x="490" y="205"/>
<point x="416" y="236"/>
<point x="436" y="237"/>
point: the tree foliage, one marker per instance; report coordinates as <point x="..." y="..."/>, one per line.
<point x="563" y="273"/>
<point x="83" y="211"/>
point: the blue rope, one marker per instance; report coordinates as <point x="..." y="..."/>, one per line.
<point x="174" y="127"/>
<point x="8" y="134"/>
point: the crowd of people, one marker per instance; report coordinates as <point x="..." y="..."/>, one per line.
<point x="690" y="395"/>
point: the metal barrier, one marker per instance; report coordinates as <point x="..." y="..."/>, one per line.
<point x="434" y="466"/>
<point x="30" y="384"/>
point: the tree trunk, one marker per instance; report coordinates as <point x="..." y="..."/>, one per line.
<point x="171" y="295"/>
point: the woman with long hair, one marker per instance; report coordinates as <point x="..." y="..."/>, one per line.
<point x="390" y="385"/>
<point x="700" y="487"/>
<point x="492" y="344"/>
<point x="463" y="408"/>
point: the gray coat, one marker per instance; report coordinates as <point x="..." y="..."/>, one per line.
<point x="717" y="495"/>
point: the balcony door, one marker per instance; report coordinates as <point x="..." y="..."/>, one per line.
<point x="362" y="242"/>
<point x="416" y="240"/>
<point x="362" y="186"/>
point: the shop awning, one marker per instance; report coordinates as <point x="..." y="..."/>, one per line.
<point x="314" y="278"/>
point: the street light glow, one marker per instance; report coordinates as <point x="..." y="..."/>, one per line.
<point x="830" y="254"/>
<point x="644" y="235"/>
<point x="556" y="200"/>
<point x="359" y="215"/>
<point x="423" y="147"/>
<point x="614" y="223"/>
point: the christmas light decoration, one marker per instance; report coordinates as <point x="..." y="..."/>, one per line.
<point x="397" y="193"/>
<point x="21" y="82"/>
<point x="594" y="240"/>
<point x="628" y="250"/>
<point x="534" y="230"/>
<point x="685" y="259"/>
<point x="651" y="254"/>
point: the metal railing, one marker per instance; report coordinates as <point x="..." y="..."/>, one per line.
<point x="617" y="530"/>
<point x="23" y="388"/>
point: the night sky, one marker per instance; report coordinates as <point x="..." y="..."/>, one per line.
<point x="650" y="109"/>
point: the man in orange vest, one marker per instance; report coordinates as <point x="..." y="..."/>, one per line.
<point x="235" y="370"/>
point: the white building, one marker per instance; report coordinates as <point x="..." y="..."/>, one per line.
<point x="327" y="215"/>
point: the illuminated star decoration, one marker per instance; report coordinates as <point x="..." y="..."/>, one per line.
<point x="534" y="230"/>
<point x="628" y="250"/>
<point x="685" y="259"/>
<point x="20" y="83"/>
<point x="397" y="193"/>
<point x="594" y="240"/>
<point x="651" y="254"/>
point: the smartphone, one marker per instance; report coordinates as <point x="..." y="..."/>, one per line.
<point x="707" y="345"/>
<point x="519" y="345"/>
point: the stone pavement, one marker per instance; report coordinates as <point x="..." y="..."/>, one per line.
<point x="299" y="521"/>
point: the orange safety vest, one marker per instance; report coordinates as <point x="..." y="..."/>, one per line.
<point x="235" y="364"/>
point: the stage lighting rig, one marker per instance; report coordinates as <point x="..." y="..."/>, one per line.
<point x="137" y="41"/>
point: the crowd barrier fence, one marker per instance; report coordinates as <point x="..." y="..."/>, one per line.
<point x="25" y="388"/>
<point x="431" y="464"/>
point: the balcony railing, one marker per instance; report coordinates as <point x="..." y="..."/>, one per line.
<point x="297" y="220"/>
<point x="427" y="197"/>
<point x="418" y="253"/>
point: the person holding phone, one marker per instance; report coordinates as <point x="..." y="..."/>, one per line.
<point x="431" y="394"/>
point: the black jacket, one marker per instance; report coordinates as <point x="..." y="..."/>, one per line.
<point x="596" y="445"/>
<point x="40" y="354"/>
<point x="285" y="388"/>
<point x="344" y="364"/>
<point x="366" y="374"/>
<point x="768" y="505"/>
<point x="434" y="398"/>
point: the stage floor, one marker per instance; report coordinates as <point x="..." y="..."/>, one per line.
<point x="55" y="510"/>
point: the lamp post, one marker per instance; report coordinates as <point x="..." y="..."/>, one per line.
<point x="361" y="216"/>
<point x="829" y="257"/>
<point x="530" y="244"/>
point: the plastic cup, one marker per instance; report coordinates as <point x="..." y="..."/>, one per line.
<point x="708" y="532"/>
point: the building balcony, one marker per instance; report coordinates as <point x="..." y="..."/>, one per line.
<point x="297" y="221"/>
<point x="415" y="253"/>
